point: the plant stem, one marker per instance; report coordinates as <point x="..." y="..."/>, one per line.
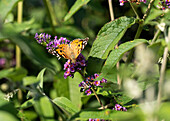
<point x="18" y="50"/>
<point x="97" y="98"/>
<point x="148" y="9"/>
<point x="92" y="90"/>
<point x="19" y="20"/>
<point x="162" y="74"/>
<point x="134" y="10"/>
<point x="51" y="15"/>
<point x="156" y="36"/>
<point x="111" y="10"/>
<point x="139" y="31"/>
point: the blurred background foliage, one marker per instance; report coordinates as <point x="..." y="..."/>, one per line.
<point x="49" y="16"/>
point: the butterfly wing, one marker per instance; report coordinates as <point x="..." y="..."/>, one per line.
<point x="77" y="46"/>
<point x="63" y="50"/>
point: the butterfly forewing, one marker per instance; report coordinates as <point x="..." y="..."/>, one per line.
<point x="72" y="50"/>
<point x="78" y="45"/>
<point x="63" y="50"/>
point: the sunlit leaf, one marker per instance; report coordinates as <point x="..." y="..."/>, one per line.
<point x="66" y="104"/>
<point x="109" y="35"/>
<point x="74" y="89"/>
<point x="5" y="116"/>
<point x="6" y="6"/>
<point x="15" y="74"/>
<point x="77" y="5"/>
<point x="40" y="77"/>
<point x="117" y="54"/>
<point x="103" y="114"/>
<point x="28" y="80"/>
<point x="44" y="108"/>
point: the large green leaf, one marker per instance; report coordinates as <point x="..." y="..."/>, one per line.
<point x="109" y="35"/>
<point x="40" y="77"/>
<point x="117" y="53"/>
<point x="15" y="74"/>
<point x="5" y="116"/>
<point x="44" y="108"/>
<point x="74" y="89"/>
<point x="6" y="105"/>
<point x="66" y="105"/>
<point x="77" y="5"/>
<point x="6" y="6"/>
<point x="103" y="114"/>
<point x="28" y="80"/>
<point x="61" y="85"/>
<point x="28" y="46"/>
<point x="107" y="38"/>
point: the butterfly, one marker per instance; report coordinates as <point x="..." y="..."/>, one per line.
<point x="72" y="50"/>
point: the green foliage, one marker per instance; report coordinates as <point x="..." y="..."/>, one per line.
<point x="77" y="5"/>
<point x="38" y="91"/>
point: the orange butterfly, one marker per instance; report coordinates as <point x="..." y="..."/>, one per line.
<point x="71" y="51"/>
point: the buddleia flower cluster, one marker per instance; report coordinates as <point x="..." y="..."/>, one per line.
<point x="45" y="40"/>
<point x="50" y="44"/>
<point x="71" y="68"/>
<point x="90" y="82"/>
<point x="164" y="4"/>
<point x="119" y="108"/>
<point x="132" y="1"/>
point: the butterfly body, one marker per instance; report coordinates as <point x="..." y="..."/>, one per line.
<point x="72" y="50"/>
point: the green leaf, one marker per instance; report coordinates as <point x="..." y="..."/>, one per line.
<point x="103" y="114"/>
<point x="109" y="35"/>
<point x="164" y="111"/>
<point x="28" y="46"/>
<point x="7" y="106"/>
<point x="40" y="77"/>
<point x="61" y="85"/>
<point x="15" y="74"/>
<point x="77" y="5"/>
<point x="117" y="53"/>
<point x="28" y="80"/>
<point x="107" y="38"/>
<point x="27" y="104"/>
<point x="6" y="6"/>
<point x="44" y="108"/>
<point x="70" y="31"/>
<point x="5" y="116"/>
<point x="66" y="105"/>
<point x="74" y="89"/>
<point x="123" y="99"/>
<point x="153" y="14"/>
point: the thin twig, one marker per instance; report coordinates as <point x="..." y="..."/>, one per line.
<point x="148" y="9"/>
<point x="92" y="90"/>
<point x="111" y="10"/>
<point x="97" y="97"/>
<point x="162" y="74"/>
<point x="51" y="14"/>
<point x="156" y="36"/>
<point x="134" y="10"/>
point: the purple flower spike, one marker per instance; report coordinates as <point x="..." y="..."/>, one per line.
<point x="103" y="80"/>
<point x="88" y="92"/>
<point x="96" y="75"/>
<point x="118" y="107"/>
<point x="97" y="83"/>
<point x="124" y="109"/>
